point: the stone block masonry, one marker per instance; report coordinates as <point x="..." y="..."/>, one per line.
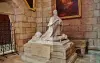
<point x="22" y="19"/>
<point x="86" y="27"/>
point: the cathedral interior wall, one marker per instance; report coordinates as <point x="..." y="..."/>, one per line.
<point x="87" y="27"/>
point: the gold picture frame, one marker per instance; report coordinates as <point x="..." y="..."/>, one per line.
<point x="31" y="4"/>
<point x="65" y="13"/>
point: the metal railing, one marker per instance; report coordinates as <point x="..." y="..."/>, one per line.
<point x="9" y="46"/>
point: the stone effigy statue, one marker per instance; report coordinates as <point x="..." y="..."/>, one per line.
<point x="51" y="47"/>
<point x="54" y="30"/>
<point x="53" y="25"/>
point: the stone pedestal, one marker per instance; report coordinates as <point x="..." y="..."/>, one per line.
<point x="49" y="52"/>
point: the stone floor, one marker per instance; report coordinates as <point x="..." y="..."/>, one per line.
<point x="10" y="59"/>
<point x="92" y="57"/>
<point x="86" y="59"/>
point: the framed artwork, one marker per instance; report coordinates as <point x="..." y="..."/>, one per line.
<point x="68" y="8"/>
<point x="31" y="4"/>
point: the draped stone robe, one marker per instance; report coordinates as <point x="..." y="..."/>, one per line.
<point x="53" y="28"/>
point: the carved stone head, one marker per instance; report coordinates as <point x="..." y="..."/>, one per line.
<point x="55" y="13"/>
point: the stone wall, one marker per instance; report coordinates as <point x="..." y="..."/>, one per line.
<point x="43" y="14"/>
<point x="25" y="26"/>
<point x="23" y="21"/>
<point x="87" y="27"/>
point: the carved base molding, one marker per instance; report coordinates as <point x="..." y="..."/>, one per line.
<point x="63" y="52"/>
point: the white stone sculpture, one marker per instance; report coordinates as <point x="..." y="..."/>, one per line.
<point x="37" y="35"/>
<point x="53" y="32"/>
<point x="51" y="47"/>
<point x="53" y="27"/>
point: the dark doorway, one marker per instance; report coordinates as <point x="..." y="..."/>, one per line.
<point x="5" y="31"/>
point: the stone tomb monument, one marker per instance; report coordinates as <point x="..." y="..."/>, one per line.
<point x="51" y="47"/>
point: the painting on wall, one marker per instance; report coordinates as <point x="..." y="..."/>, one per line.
<point x="31" y="4"/>
<point x="68" y="8"/>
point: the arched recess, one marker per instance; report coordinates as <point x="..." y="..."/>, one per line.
<point x="7" y="17"/>
<point x="22" y="20"/>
